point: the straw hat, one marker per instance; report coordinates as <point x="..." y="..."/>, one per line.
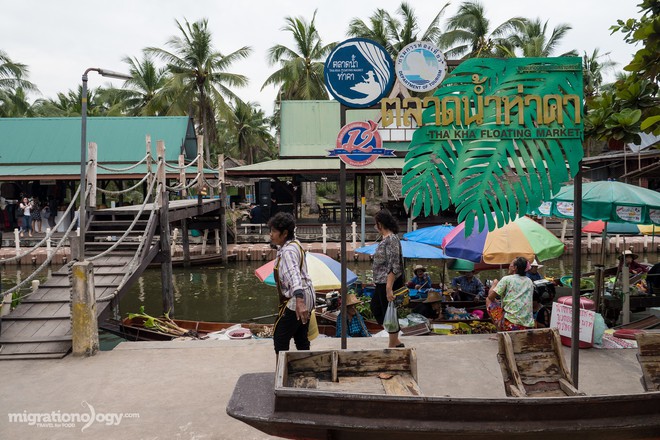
<point x="351" y="299"/>
<point x="419" y="267"/>
<point x="433" y="296"/>
<point x="536" y="264"/>
<point x="628" y="252"/>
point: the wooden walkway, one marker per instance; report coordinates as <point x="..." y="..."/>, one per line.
<point x="40" y="326"/>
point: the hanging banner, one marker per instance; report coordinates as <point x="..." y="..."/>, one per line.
<point x="359" y="72"/>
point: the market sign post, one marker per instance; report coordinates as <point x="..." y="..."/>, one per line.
<point x="358" y="73"/>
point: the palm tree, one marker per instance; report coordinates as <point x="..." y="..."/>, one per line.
<point x="13" y="74"/>
<point x="392" y="33"/>
<point x="593" y="67"/>
<point x="69" y="104"/>
<point x="300" y="75"/>
<point x="141" y="95"/>
<point x="200" y="79"/>
<point x="14" y="104"/>
<point x="532" y="40"/>
<point x="250" y="129"/>
<point x="469" y="32"/>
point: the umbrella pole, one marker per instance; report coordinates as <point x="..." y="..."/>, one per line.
<point x="625" y="288"/>
<point x="603" y="243"/>
<point x="577" y="259"/>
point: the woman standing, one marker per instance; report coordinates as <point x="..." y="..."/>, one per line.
<point x="294" y="286"/>
<point x="26" y="207"/>
<point x="388" y="270"/>
<point x="515" y="310"/>
<point x="35" y="211"/>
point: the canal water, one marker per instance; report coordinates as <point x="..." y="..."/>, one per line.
<point x="232" y="293"/>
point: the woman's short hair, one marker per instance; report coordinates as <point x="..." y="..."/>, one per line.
<point x="520" y="264"/>
<point x="386" y="220"/>
<point x="283" y="221"/>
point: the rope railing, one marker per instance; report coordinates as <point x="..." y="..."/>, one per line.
<point x="212" y="185"/>
<point x="132" y="264"/>
<point x="123" y="169"/>
<point x="187" y="186"/>
<point x="48" y="260"/>
<point x="74" y="198"/>
<point x="130" y="228"/>
<point x="123" y="191"/>
<point x="193" y="162"/>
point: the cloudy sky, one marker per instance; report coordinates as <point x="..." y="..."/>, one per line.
<point x="58" y="40"/>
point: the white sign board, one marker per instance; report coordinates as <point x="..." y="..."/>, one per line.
<point x="562" y="319"/>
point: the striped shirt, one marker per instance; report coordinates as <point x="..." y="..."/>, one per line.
<point x="293" y="276"/>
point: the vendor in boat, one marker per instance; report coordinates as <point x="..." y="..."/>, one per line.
<point x="431" y="307"/>
<point x="294" y="285"/>
<point x="633" y="266"/>
<point x="514" y="310"/>
<point x="421" y="280"/>
<point x="533" y="272"/>
<point x="356" y="327"/>
<point x="468" y="287"/>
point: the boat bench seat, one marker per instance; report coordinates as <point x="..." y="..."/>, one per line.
<point x="532" y="364"/>
<point x="648" y="343"/>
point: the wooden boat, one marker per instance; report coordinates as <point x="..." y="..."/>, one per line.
<point x="648" y="344"/>
<point x="341" y="395"/>
<point x="134" y="330"/>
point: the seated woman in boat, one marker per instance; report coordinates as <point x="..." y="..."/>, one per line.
<point x="633" y="266"/>
<point x="356" y="326"/>
<point x="421" y="280"/>
<point x="514" y="311"/>
<point x="431" y="307"/>
<point x="541" y="313"/>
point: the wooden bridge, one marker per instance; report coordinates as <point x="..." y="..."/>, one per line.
<point x="40" y="326"/>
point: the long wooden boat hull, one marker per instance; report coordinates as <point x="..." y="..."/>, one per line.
<point x="323" y="415"/>
<point x="133" y="330"/>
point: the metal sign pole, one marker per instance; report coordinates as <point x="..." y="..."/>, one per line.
<point x="342" y="250"/>
<point x="577" y="259"/>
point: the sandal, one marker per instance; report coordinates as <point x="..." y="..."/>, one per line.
<point x="401" y="345"/>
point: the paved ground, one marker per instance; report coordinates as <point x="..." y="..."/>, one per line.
<point x="179" y="390"/>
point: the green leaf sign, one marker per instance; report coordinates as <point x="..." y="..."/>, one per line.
<point x="499" y="135"/>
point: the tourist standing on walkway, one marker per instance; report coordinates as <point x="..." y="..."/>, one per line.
<point x="388" y="270"/>
<point x="294" y="286"/>
<point x="514" y="311"/>
<point x="35" y="210"/>
<point x="25" y="207"/>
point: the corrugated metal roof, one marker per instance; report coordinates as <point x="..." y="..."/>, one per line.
<point x="310" y="166"/>
<point x="119" y="140"/>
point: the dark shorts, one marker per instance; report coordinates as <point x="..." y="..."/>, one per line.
<point x="289" y="326"/>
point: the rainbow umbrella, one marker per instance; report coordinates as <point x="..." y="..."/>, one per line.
<point x="410" y="249"/>
<point x="613" y="228"/>
<point x="521" y="238"/>
<point x="323" y="270"/>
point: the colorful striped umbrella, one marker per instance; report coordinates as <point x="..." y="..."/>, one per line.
<point x="521" y="238"/>
<point x="620" y="228"/>
<point x="323" y="270"/>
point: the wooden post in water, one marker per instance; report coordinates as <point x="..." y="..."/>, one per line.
<point x="92" y="154"/>
<point x="185" y="241"/>
<point x="223" y="206"/>
<point x="165" y="250"/>
<point x="182" y="175"/>
<point x="84" y="326"/>
<point x="200" y="168"/>
<point x="149" y="160"/>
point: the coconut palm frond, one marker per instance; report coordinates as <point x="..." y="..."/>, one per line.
<point x="505" y="175"/>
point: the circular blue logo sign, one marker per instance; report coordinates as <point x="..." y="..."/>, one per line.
<point x="421" y="66"/>
<point x="359" y="72"/>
